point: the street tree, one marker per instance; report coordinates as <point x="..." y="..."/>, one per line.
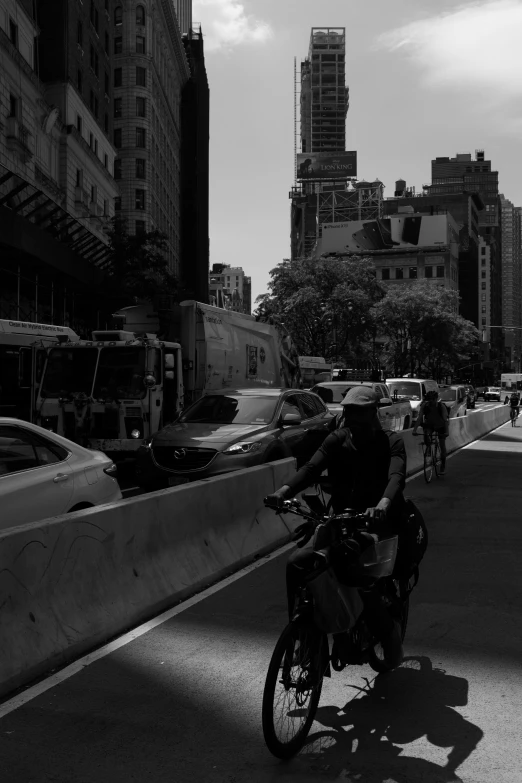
<point x="326" y="305"/>
<point x="421" y="332"/>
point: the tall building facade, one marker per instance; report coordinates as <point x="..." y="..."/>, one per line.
<point x="324" y="95"/>
<point x="150" y="71"/>
<point x="511" y="280"/>
<point x="322" y="111"/>
<point x="195" y="131"/>
<point x="183" y="10"/>
<point x="464" y="174"/>
<point x="56" y="161"/>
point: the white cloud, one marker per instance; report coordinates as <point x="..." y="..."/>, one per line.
<point x="225" y="24"/>
<point x="474" y="48"/>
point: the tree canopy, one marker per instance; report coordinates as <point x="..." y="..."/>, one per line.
<point x="325" y="304"/>
<point x="336" y="308"/>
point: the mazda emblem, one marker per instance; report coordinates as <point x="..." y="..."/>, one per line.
<point x="179" y="453"/>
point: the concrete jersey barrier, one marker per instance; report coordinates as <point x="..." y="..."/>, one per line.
<point x="69" y="583"/>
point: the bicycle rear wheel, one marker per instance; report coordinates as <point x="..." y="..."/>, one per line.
<point x="293" y="688"/>
<point x="428" y="464"/>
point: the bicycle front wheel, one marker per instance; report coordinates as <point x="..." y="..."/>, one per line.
<point x="428" y="464"/>
<point x="293" y="688"/>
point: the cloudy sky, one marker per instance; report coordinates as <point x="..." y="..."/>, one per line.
<point x="423" y="83"/>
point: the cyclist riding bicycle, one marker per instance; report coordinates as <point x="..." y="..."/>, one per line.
<point x="434" y="417"/>
<point x="367" y="468"/>
<point x="514" y="402"/>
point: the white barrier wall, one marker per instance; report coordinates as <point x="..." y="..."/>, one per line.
<point x="68" y="584"/>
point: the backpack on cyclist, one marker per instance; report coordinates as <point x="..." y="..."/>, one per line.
<point x="413" y="542"/>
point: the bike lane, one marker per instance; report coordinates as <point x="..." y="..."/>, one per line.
<point x="182" y="703"/>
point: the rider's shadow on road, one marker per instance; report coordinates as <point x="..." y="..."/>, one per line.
<point x="396" y="709"/>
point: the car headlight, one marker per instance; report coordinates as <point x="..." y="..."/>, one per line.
<point x="246" y="447"/>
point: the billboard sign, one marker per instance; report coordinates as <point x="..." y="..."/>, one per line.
<point x="326" y="165"/>
<point x="397" y="232"/>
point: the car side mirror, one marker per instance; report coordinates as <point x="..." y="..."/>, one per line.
<point x="385" y="402"/>
<point x="290" y="420"/>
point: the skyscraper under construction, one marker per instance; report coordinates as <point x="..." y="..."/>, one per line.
<point x="323" y="168"/>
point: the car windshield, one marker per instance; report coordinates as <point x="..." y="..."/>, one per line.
<point x="120" y="373"/>
<point x="448" y="394"/>
<point x="409" y="391"/>
<point x="231" y="409"/>
<point x="69" y="371"/>
<point x="332" y="393"/>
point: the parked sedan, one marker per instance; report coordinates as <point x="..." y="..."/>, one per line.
<point x="232" y="429"/>
<point x="492" y="393"/>
<point x="43" y="475"/>
<point x="393" y="414"/>
<point x="455" y="400"/>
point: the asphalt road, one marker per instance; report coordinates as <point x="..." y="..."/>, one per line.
<point x="181" y="704"/>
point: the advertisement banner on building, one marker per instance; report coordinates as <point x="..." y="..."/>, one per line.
<point x="326" y="165"/>
<point x="395" y="232"/>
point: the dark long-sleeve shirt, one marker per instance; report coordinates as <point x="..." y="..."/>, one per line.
<point x="361" y="474"/>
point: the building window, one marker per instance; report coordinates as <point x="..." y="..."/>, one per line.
<point x="141" y="76"/>
<point x="483" y="275"/>
<point x="106" y="83"/>
<point x="117" y="138"/>
<point x="79" y="34"/>
<point x="140" y="227"/>
<point x="96" y="107"/>
<point x="118" y="46"/>
<point x="484" y="322"/>
<point x="140" y="44"/>
<point x="117" y="203"/>
<point x="385" y="274"/>
<point x="79" y="178"/>
<point x="440" y="271"/>
<point x="118" y="16"/>
<point x="399" y="274"/>
<point x="13" y="106"/>
<point x="106" y="161"/>
<point x="483" y="261"/>
<point x="94" y="194"/>
<point x="428" y="271"/>
<point x="141" y="107"/>
<point x="106" y="123"/>
<point x="118" y="77"/>
<point x="91" y="101"/>
<point x="13" y="33"/>
<point x="140" y="15"/>
<point x="91" y="141"/>
<point x="483" y="251"/>
<point x="140" y="137"/>
<point x="79" y="76"/>
<point x="483" y="297"/>
<point x="483" y="308"/>
<point x="140" y="199"/>
<point x="117" y="168"/>
<point x="483" y="286"/>
<point x="140" y="168"/>
<point x="79" y="124"/>
<point x="117" y="107"/>
<point x="107" y="43"/>
<point x="413" y="272"/>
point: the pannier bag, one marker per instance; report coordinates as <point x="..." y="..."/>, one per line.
<point x="413" y="542"/>
<point x="336" y="607"/>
